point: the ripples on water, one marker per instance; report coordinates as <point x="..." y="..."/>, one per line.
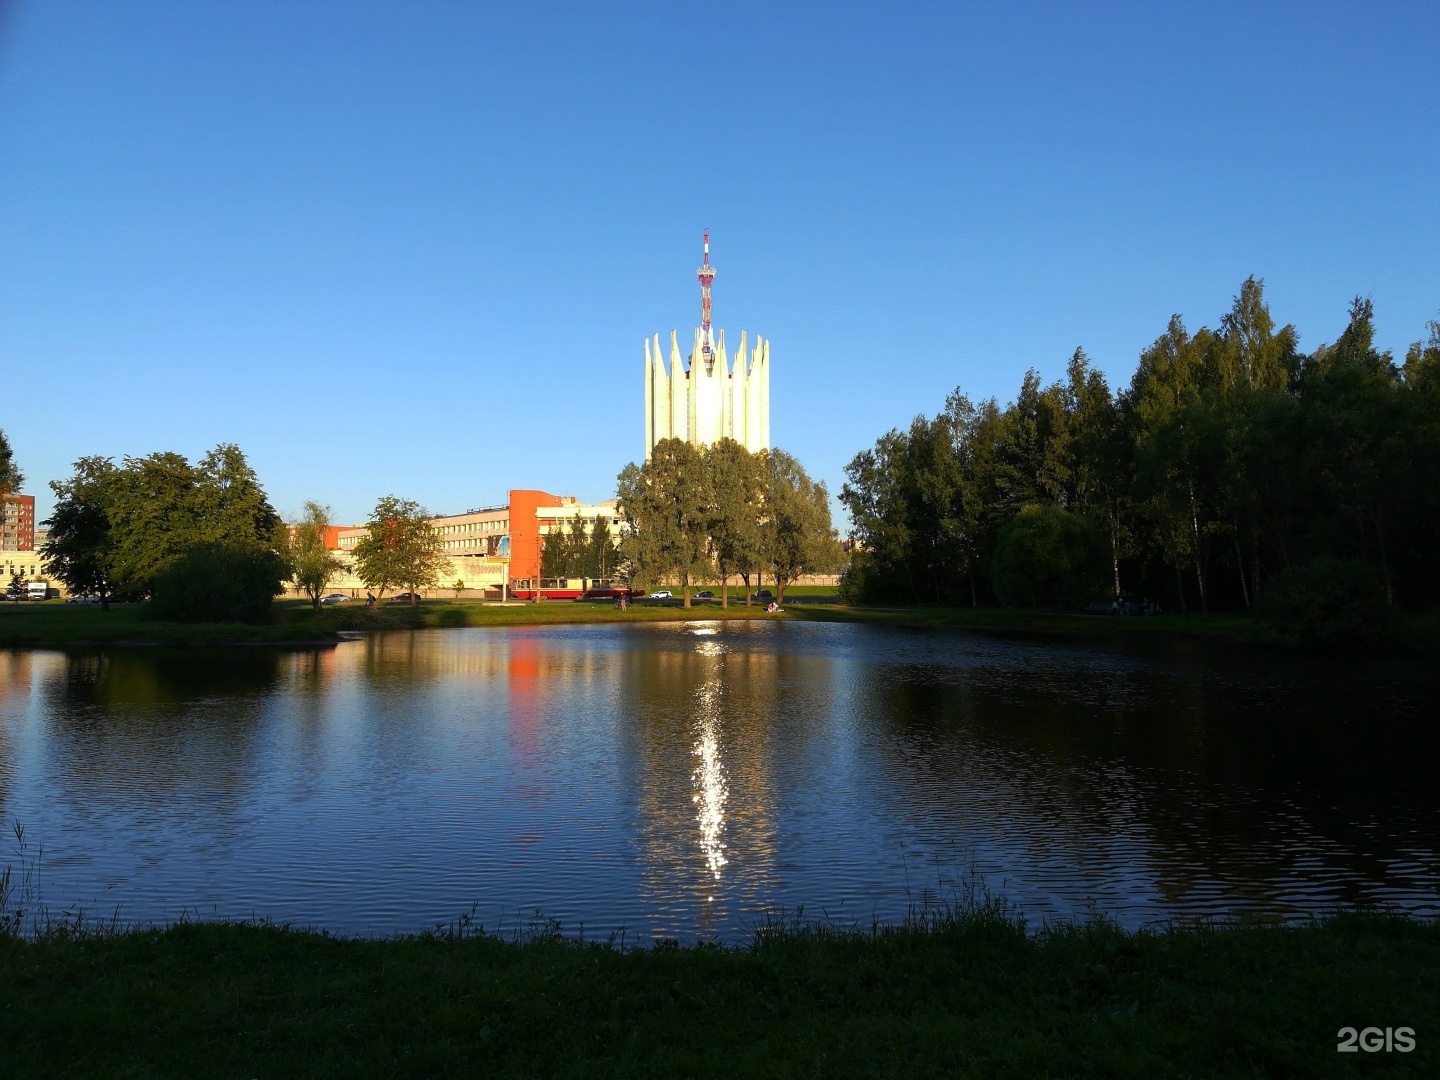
<point x="679" y="780"/>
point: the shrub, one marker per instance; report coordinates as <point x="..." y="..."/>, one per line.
<point x="219" y="583"/>
<point x="1047" y="556"/>
<point x="1330" y="601"/>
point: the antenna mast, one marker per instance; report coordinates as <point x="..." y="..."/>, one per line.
<point x="706" y="274"/>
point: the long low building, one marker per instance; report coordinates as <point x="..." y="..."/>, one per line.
<point x="490" y="546"/>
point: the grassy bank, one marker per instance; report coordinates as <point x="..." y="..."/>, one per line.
<point x="430" y="614"/>
<point x="1417" y="633"/>
<point x="1239" y="628"/>
<point x="59" y="626"/>
<point x="966" y="995"/>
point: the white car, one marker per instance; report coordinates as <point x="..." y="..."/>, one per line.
<point x="335" y="598"/>
<point x="659" y="594"/>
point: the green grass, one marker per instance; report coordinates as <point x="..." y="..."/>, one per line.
<point x="963" y="993"/>
<point x="1230" y="627"/>
<point x="430" y="614"/>
<point x="1419" y="633"/>
<point x="57" y="625"/>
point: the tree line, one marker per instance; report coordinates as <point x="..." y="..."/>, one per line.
<point x="701" y="514"/>
<point x="580" y="551"/>
<point x="201" y="541"/>
<point x="1235" y="472"/>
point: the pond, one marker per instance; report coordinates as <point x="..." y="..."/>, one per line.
<point x="682" y="780"/>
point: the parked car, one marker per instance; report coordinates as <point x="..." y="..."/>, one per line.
<point x="82" y="599"/>
<point x="658" y="594"/>
<point x="405" y="598"/>
<point x="335" y="598"/>
<point x="764" y="595"/>
<point x="706" y="595"/>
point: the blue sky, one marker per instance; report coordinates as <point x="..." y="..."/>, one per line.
<point x="416" y="247"/>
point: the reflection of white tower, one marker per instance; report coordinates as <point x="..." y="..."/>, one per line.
<point x="711" y="790"/>
<point x="712" y="400"/>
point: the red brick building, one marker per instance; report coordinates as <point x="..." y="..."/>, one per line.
<point x="17" y="523"/>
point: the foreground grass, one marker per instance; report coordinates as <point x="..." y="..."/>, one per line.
<point x="964" y="995"/>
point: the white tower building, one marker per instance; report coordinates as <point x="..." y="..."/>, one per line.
<point x="710" y="399"/>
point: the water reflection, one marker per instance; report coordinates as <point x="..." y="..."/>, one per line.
<point x="678" y="780"/>
<point x="709" y="776"/>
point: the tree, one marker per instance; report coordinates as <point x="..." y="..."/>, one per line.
<point x="11" y="478"/>
<point x="219" y="582"/>
<point x="557" y="556"/>
<point x="162" y="506"/>
<point x="601" y="555"/>
<point x="401" y="547"/>
<point x="667" y="511"/>
<point x="580" y="551"/>
<point x="81" y="549"/>
<point x="1232" y="458"/>
<point x="459" y="587"/>
<point x="736" y="483"/>
<point x="312" y="564"/>
<point x="795" y="534"/>
<point x="16" y="590"/>
<point x="231" y="504"/>
<point x="1048" y="556"/>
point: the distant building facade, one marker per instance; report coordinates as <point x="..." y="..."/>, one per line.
<point x="490" y="546"/>
<point x="17" y="523"/>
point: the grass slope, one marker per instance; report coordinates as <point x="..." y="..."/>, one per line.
<point x="56" y="625"/>
<point x="970" y="995"/>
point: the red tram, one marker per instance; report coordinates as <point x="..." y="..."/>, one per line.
<point x="577" y="588"/>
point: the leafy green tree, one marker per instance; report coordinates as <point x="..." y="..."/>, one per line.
<point x="11" y="478"/>
<point x="1232" y="459"/>
<point x="736" y="483"/>
<point x="556" y="557"/>
<point x="1102" y="462"/>
<point x="219" y="582"/>
<point x="313" y="565"/>
<point x="602" y="557"/>
<point x="81" y="550"/>
<point x="795" y="533"/>
<point x="667" y="509"/>
<point x="230" y="501"/>
<point x="401" y="547"/>
<point x="1048" y="556"/>
<point x="162" y="505"/>
<point x="16" y="589"/>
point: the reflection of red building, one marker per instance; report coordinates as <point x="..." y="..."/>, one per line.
<point x="17" y="523"/>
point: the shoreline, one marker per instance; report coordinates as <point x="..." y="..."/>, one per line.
<point x="55" y="627"/>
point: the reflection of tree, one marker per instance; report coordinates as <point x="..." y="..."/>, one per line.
<point x="147" y="725"/>
<point x="15" y="673"/>
<point x="1185" y="783"/>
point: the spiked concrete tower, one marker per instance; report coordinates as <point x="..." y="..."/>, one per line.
<point x="710" y="400"/>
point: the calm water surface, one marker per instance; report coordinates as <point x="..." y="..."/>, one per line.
<point x="680" y="780"/>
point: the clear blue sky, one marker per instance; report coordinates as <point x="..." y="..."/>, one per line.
<point x="415" y="247"/>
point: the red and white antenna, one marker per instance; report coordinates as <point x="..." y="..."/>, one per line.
<point x="706" y="274"/>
